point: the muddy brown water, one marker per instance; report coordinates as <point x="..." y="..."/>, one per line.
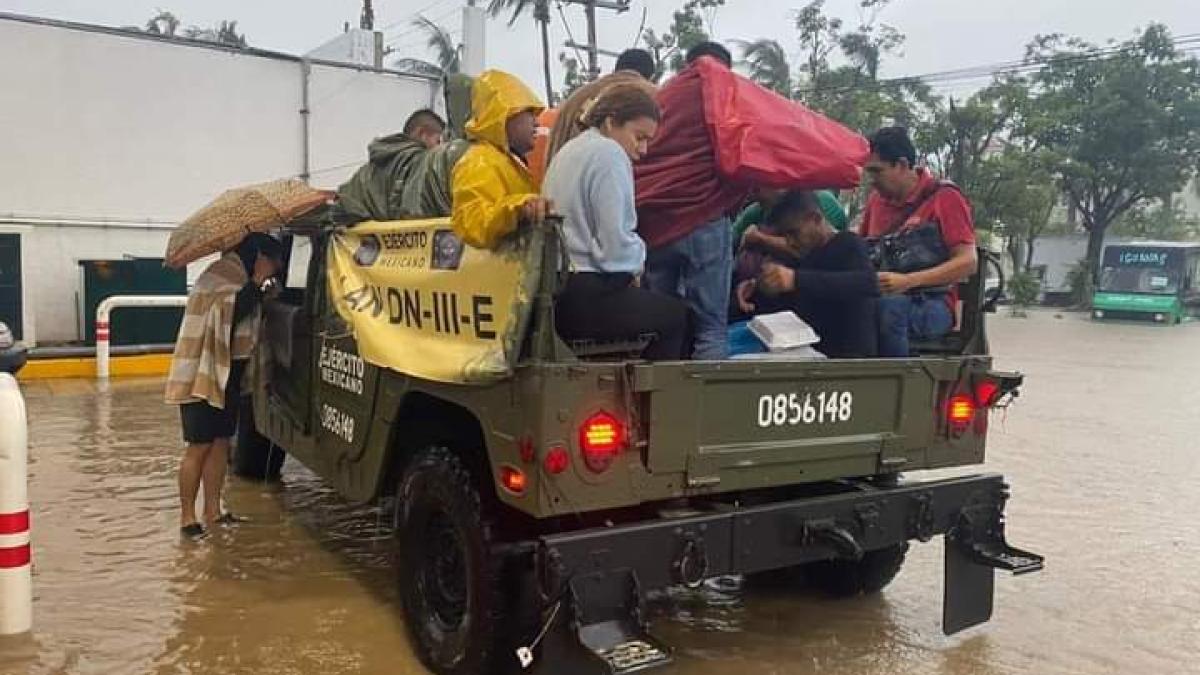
<point x="1102" y="452"/>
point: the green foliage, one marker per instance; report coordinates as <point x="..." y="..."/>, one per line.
<point x="1023" y="288"/>
<point x="1166" y="220"/>
<point x="167" y="24"/>
<point x="442" y="43"/>
<point x="768" y="65"/>
<point x="690" y="25"/>
<point x="573" y="77"/>
<point x="1123" y="123"/>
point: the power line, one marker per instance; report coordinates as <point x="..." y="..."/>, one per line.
<point x="416" y="29"/>
<point x="410" y="17"/>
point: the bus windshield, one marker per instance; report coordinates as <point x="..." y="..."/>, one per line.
<point x="1158" y="281"/>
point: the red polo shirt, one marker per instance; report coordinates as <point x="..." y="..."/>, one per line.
<point x="948" y="208"/>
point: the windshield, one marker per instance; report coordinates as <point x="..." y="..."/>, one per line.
<point x="1140" y="280"/>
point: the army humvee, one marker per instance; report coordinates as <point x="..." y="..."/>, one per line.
<point x="533" y="514"/>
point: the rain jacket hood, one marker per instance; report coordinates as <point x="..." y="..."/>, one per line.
<point x="383" y="150"/>
<point x="495" y="97"/>
<point x="490" y="183"/>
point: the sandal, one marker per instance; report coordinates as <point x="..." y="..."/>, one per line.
<point x="193" y="532"/>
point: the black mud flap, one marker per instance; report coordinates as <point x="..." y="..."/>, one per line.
<point x="600" y="629"/>
<point x="975" y="548"/>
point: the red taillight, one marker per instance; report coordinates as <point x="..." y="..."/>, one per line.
<point x="513" y="479"/>
<point x="556" y="460"/>
<point x="986" y="393"/>
<point x="601" y="438"/>
<point x="961" y="410"/>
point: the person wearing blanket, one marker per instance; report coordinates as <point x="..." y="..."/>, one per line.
<point x="217" y="337"/>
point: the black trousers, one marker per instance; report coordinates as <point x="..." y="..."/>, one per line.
<point x="599" y="306"/>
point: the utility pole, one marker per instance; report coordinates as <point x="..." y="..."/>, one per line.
<point x="367" y="21"/>
<point x="593" y="49"/>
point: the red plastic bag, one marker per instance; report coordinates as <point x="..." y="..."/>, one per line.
<point x="762" y="138"/>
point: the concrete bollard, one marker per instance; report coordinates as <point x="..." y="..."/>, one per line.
<point x="16" y="579"/>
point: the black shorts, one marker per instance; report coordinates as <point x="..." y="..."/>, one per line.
<point x="202" y="423"/>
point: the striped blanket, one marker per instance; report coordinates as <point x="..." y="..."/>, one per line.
<point x="203" y="353"/>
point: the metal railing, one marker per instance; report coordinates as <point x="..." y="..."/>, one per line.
<point x="103" y="330"/>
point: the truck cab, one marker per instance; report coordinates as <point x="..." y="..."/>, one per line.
<point x="534" y="510"/>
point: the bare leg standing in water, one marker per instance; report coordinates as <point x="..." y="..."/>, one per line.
<point x="191" y="471"/>
<point x="214" y="480"/>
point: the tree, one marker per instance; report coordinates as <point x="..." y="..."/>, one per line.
<point x="443" y="45"/>
<point x="1164" y="220"/>
<point x="690" y="26"/>
<point x="573" y="77"/>
<point x="163" y="23"/>
<point x="768" y="65"/>
<point x="1015" y="195"/>
<point x="541" y="14"/>
<point x="1124" y="123"/>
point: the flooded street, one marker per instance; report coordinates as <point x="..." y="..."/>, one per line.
<point x="1101" y="451"/>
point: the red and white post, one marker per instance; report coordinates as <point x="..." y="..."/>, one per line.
<point x="16" y="579"/>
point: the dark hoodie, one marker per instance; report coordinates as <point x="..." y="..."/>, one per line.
<point x="401" y="179"/>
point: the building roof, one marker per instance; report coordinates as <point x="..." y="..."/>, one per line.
<point x="180" y="41"/>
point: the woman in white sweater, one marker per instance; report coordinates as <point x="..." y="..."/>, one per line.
<point x="590" y="182"/>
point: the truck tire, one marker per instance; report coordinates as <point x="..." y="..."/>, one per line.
<point x="848" y="578"/>
<point x="254" y="456"/>
<point x="449" y="579"/>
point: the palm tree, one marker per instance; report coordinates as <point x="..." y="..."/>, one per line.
<point x="163" y="23"/>
<point x="541" y="14"/>
<point x="768" y="64"/>
<point x="442" y="43"/>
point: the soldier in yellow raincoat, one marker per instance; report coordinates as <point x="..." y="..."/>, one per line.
<point x="493" y="189"/>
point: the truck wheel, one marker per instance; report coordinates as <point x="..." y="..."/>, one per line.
<point x="449" y="579"/>
<point x="847" y="578"/>
<point x="254" y="456"/>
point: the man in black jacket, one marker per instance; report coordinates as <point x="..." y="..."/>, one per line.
<point x="831" y="284"/>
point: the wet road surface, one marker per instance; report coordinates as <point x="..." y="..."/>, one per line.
<point x="1101" y="451"/>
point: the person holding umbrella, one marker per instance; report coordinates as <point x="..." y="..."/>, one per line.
<point x="217" y="337"/>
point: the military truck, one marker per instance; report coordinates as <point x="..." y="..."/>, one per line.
<point x="533" y="514"/>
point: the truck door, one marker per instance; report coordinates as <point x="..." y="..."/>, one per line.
<point x="289" y="333"/>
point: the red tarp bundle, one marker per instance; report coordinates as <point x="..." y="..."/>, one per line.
<point x="763" y="138"/>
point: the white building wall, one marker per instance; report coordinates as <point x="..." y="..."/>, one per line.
<point x="110" y="139"/>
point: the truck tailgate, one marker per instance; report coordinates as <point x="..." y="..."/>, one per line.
<point x="741" y="425"/>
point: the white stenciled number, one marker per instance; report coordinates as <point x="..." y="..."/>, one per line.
<point x="827" y="407"/>
<point x="781" y="410"/>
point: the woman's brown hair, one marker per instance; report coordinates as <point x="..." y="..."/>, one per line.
<point x="622" y="103"/>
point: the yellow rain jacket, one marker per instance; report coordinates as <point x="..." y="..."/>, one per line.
<point x="490" y="184"/>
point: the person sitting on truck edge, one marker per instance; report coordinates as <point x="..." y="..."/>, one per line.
<point x="217" y="337"/>
<point x="406" y="174"/>
<point x="832" y="285"/>
<point x="591" y="182"/>
<point x="683" y="203"/>
<point x="491" y="185"/>
<point x="920" y="304"/>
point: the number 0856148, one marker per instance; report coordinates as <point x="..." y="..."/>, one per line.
<point x="826" y="407"/>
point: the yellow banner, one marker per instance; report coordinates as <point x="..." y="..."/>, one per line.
<point x="422" y="303"/>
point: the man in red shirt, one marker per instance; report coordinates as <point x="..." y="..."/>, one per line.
<point x="683" y="205"/>
<point x="919" y="304"/>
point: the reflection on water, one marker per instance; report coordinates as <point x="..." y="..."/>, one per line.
<point x="1100" y="452"/>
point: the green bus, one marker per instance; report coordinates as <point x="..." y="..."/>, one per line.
<point x="1156" y="281"/>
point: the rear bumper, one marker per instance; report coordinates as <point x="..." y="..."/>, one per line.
<point x="745" y="540"/>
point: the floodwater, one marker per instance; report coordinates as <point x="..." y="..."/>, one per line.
<point x="1101" y="450"/>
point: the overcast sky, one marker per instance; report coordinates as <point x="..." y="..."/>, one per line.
<point x="942" y="34"/>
